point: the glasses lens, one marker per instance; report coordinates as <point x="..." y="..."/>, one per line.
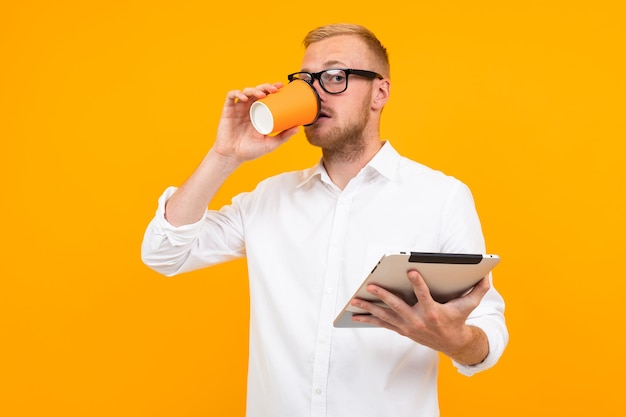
<point x="304" y="76"/>
<point x="334" y="80"/>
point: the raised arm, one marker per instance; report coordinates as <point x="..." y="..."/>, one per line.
<point x="236" y="142"/>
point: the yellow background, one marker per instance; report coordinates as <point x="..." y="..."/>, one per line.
<point x="104" y="104"/>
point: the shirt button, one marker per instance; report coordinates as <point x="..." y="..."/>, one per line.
<point x="323" y="339"/>
<point x="329" y="290"/>
<point x="318" y="391"/>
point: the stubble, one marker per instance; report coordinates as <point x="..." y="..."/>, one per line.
<point x="345" y="143"/>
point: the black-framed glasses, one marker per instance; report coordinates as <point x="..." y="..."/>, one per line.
<point x="333" y="80"/>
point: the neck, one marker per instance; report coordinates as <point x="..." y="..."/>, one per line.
<point x="344" y="164"/>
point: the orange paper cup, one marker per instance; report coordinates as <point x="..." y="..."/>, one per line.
<point x="295" y="104"/>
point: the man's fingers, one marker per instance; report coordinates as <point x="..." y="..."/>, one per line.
<point x="480" y="289"/>
<point x="419" y="287"/>
<point x="258" y="92"/>
<point x="262" y="90"/>
<point x="234" y="95"/>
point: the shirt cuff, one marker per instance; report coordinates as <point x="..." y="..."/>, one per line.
<point x="164" y="230"/>
<point x="496" y="348"/>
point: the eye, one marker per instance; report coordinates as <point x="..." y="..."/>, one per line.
<point x="334" y="76"/>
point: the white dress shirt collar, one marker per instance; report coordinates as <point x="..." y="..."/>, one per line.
<point x="385" y="163"/>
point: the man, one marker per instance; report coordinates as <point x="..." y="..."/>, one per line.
<point x="311" y="236"/>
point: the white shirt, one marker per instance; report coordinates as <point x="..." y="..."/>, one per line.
<point x="308" y="246"/>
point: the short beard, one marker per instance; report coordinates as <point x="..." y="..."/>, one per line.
<point x="342" y="144"/>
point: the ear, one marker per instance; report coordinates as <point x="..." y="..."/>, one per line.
<point x="380" y="95"/>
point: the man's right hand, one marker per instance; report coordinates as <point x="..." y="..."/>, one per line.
<point x="237" y="140"/>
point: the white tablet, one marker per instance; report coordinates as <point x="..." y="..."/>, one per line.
<point x="448" y="276"/>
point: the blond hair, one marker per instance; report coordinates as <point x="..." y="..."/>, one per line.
<point x="337" y="29"/>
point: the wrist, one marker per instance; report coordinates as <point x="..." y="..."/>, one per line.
<point x="473" y="347"/>
<point x="227" y="162"/>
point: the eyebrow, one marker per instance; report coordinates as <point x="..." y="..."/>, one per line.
<point x="330" y="64"/>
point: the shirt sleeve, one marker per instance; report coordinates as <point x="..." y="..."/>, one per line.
<point x="463" y="233"/>
<point x="489" y="317"/>
<point x="172" y="250"/>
